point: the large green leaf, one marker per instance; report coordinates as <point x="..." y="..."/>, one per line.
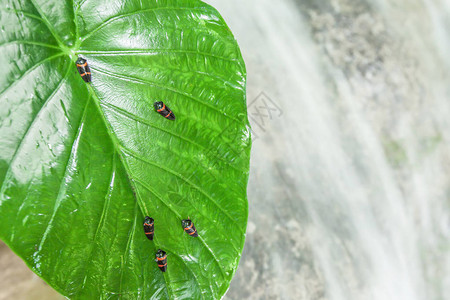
<point x="82" y="164"/>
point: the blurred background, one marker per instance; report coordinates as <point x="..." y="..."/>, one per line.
<point x="349" y="191"/>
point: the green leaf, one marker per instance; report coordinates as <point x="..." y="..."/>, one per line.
<point x="82" y="164"/>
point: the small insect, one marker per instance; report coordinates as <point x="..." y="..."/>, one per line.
<point x="161" y="260"/>
<point x="83" y="69"/>
<point x="149" y="228"/>
<point x="189" y="227"/>
<point x="164" y="110"/>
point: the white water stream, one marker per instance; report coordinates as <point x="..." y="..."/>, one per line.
<point x="349" y="191"/>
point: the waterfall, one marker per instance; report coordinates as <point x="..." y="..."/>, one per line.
<point x="349" y="191"/>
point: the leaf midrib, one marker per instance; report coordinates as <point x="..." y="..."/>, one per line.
<point x="117" y="149"/>
<point x="125" y="165"/>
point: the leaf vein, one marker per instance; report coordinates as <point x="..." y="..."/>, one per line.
<point x="153" y="51"/>
<point x="33" y="16"/>
<point x="62" y="186"/>
<point x="101" y="222"/>
<point x="148" y="82"/>
<point x="158" y="246"/>
<point x="144" y="122"/>
<point x="193" y="274"/>
<point x="25" y="135"/>
<point x="121" y="16"/>
<point x="128" y="246"/>
<point x="28" y="71"/>
<point x="49" y="26"/>
<point x="202" y="191"/>
<point x="25" y="42"/>
<point x="180" y="217"/>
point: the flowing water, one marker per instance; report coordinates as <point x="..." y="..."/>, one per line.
<point x="349" y="192"/>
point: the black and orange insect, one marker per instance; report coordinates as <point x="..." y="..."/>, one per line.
<point x="149" y="228"/>
<point x="83" y="69"/>
<point x="161" y="260"/>
<point x="164" y="110"/>
<point x="189" y="227"/>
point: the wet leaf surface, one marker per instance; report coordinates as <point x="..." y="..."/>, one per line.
<point x="82" y="164"/>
